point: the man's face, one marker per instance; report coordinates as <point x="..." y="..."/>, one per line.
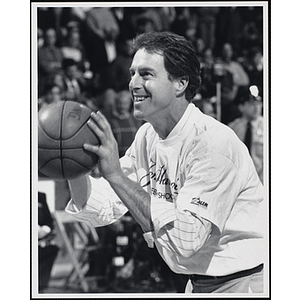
<point x="251" y="109"/>
<point x="50" y="37"/>
<point x="151" y="88"/>
<point x="227" y="52"/>
<point x="72" y="72"/>
<point x="54" y="95"/>
<point x="123" y="103"/>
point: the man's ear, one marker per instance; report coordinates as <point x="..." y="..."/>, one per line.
<point x="181" y="85"/>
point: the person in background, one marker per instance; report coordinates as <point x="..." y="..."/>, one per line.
<point x="249" y="127"/>
<point x="207" y="24"/>
<point x="146" y="19"/>
<point x="118" y="71"/>
<point x="74" y="81"/>
<point x="233" y="76"/>
<point x="254" y="67"/>
<point x="53" y="93"/>
<point x="123" y="124"/>
<point x="208" y="84"/>
<point x="102" y="30"/>
<point x="72" y="48"/>
<point x="47" y="248"/>
<point x="50" y="58"/>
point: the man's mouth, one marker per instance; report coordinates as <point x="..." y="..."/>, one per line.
<point x="139" y="98"/>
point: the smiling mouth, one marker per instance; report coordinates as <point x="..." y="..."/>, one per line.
<point x="139" y="98"/>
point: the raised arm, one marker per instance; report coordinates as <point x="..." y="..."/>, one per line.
<point x="161" y="221"/>
<point x="132" y="195"/>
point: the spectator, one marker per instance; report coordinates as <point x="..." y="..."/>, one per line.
<point x="148" y="16"/>
<point x="53" y="93"/>
<point x="233" y="76"/>
<point x="167" y="16"/>
<point x="144" y="24"/>
<point x="254" y="68"/>
<point x="47" y="248"/>
<point x="58" y="80"/>
<point x="50" y="58"/>
<point x="124" y="125"/>
<point x="40" y="38"/>
<point x="79" y="13"/>
<point x="102" y="30"/>
<point x="73" y="48"/>
<point x="249" y="127"/>
<point x="118" y="70"/>
<point x="105" y="101"/>
<point x="181" y="21"/>
<point x="207" y="61"/>
<point x="199" y="47"/>
<point x="207" y="24"/>
<point x="229" y="28"/>
<point x="74" y="81"/>
<point x="56" y="18"/>
<point x="252" y="19"/>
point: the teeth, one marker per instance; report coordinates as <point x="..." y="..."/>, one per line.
<point x="139" y="98"/>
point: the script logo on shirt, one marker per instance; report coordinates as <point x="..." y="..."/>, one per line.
<point x="199" y="202"/>
<point x="159" y="176"/>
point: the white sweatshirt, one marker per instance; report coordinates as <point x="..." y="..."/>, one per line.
<point x="200" y="171"/>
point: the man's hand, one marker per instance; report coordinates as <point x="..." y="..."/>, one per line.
<point x="132" y="194"/>
<point x="108" y="152"/>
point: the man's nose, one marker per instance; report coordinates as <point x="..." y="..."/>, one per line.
<point x="135" y="82"/>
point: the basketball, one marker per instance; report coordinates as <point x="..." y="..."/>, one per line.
<point x="62" y="131"/>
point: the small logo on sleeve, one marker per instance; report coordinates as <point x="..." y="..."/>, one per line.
<point x="199" y="202"/>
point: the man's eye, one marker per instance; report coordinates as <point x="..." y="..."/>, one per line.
<point x="144" y="74"/>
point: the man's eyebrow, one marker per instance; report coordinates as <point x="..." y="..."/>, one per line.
<point x="142" y="68"/>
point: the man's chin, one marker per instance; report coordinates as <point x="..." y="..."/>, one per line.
<point x="138" y="115"/>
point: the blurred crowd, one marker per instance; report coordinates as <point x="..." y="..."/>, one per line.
<point x="84" y="54"/>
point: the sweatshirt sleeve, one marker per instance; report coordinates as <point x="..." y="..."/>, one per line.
<point x="103" y="206"/>
<point x="177" y="229"/>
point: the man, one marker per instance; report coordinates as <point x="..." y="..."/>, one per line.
<point x="186" y="179"/>
<point x="233" y="76"/>
<point x="50" y="58"/>
<point x="74" y="82"/>
<point x="249" y="127"/>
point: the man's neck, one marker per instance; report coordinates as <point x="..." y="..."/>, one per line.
<point x="164" y="126"/>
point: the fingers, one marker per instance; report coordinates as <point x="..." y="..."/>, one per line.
<point x="97" y="131"/>
<point x="101" y="128"/>
<point x="101" y="121"/>
<point x="91" y="148"/>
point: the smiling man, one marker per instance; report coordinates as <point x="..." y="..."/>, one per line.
<point x="187" y="179"/>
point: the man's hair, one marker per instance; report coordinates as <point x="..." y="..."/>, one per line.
<point x="179" y="56"/>
<point x="68" y="62"/>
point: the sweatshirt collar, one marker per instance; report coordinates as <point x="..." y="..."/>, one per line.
<point x="181" y="126"/>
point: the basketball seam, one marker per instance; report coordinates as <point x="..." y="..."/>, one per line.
<point x="60" y="139"/>
<point x="46" y="133"/>
<point x="62" y="158"/>
<point x="77" y="131"/>
<point x="73" y="148"/>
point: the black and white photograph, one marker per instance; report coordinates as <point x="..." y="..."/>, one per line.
<point x="150" y="149"/>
